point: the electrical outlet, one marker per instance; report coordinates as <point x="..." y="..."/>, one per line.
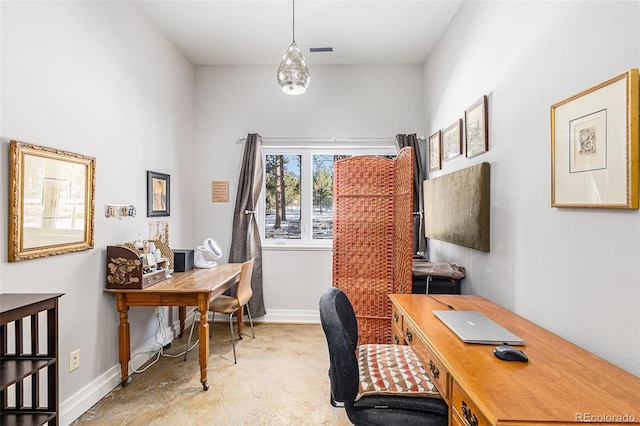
<point x="74" y="360"/>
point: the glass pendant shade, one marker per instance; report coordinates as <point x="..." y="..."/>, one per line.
<point x="293" y="73"/>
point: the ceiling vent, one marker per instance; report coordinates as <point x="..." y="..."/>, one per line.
<point x="320" y="49"/>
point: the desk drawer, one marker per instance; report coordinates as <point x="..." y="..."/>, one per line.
<point x="438" y="374"/>
<point x="397" y="336"/>
<point x="465" y="409"/>
<point x="455" y="419"/>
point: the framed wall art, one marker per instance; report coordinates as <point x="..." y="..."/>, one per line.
<point x="51" y="201"/>
<point x="452" y="141"/>
<point x="158" y="194"/>
<point x="476" y="128"/>
<point x="435" y="159"/>
<point x="594" y="146"/>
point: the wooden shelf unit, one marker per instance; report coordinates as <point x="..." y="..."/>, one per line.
<point x="22" y="360"/>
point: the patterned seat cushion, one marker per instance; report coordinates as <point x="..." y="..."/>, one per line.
<point x="392" y="370"/>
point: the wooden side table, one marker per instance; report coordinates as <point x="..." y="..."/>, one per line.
<point x="20" y="368"/>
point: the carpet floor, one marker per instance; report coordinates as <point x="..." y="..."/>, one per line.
<point x="280" y="379"/>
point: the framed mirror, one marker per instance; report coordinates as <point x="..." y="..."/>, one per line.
<point x="51" y="201"/>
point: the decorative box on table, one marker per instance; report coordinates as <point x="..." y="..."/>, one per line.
<point x="130" y="268"/>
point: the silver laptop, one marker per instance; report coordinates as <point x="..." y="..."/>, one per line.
<point x="475" y="327"/>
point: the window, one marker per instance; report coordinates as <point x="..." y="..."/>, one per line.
<point x="282" y="196"/>
<point x="296" y="203"/>
<point x="322" y="202"/>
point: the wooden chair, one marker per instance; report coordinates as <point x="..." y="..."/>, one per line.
<point x="230" y="305"/>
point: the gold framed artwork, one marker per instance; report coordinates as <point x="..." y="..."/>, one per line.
<point x="594" y="146"/>
<point x="51" y="201"/>
<point x="435" y="160"/>
<point x="476" y="128"/>
<point x="452" y="141"/>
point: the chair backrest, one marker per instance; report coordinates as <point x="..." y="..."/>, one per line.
<point x="245" y="292"/>
<point x="341" y="330"/>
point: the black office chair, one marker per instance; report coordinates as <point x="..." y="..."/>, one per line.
<point x="341" y="330"/>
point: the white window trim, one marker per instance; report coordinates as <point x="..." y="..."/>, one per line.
<point x="307" y="150"/>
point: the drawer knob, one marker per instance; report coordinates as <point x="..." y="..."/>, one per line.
<point x="434" y="370"/>
<point x="396" y="339"/>
<point x="409" y="335"/>
<point x="396" y="318"/>
<point x="471" y="418"/>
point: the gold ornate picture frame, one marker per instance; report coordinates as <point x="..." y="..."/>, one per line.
<point x="51" y="201"/>
<point x="594" y="146"/>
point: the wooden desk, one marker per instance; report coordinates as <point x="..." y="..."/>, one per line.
<point x="561" y="383"/>
<point x="196" y="287"/>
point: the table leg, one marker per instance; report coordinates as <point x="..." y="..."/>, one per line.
<point x="124" y="343"/>
<point x="203" y="330"/>
<point x="239" y="318"/>
<point x="182" y="315"/>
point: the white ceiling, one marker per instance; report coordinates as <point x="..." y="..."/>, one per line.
<point x="244" y="32"/>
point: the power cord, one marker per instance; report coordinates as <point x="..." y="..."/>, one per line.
<point x="426" y="291"/>
<point x="160" y="333"/>
<point x="441" y="302"/>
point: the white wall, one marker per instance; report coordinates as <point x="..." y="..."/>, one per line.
<point x="98" y="79"/>
<point x="341" y="101"/>
<point x="573" y="271"/>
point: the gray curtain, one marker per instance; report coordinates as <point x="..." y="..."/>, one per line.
<point x="419" y="240"/>
<point x="245" y="240"/>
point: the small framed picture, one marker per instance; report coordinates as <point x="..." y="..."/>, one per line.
<point x="476" y="128"/>
<point x="452" y="141"/>
<point x="435" y="159"/>
<point x="158" y="194"/>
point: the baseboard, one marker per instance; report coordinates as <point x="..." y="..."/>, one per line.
<point x="78" y="403"/>
<point x="289" y="316"/>
<point x="293" y="316"/>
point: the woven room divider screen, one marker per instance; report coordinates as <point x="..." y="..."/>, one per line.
<point x="373" y="203"/>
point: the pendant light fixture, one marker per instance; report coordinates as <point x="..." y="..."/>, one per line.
<point x="293" y="73"/>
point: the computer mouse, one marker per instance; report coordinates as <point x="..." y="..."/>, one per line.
<point x="509" y="353"/>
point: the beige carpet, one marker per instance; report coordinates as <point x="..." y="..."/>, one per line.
<point x="280" y="379"/>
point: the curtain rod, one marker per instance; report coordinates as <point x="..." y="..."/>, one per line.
<point x="331" y="139"/>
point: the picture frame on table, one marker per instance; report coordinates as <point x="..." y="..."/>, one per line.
<point x="594" y="146"/>
<point x="452" y="141"/>
<point x="158" y="194"/>
<point x="435" y="158"/>
<point x="476" y="128"/>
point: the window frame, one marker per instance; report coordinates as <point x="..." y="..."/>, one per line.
<point x="307" y="150"/>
